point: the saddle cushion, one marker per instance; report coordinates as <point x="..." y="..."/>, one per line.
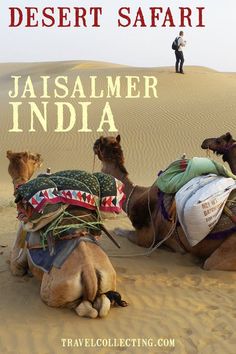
<point x="181" y="172"/>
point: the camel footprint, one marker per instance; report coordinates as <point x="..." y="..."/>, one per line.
<point x="222" y="331"/>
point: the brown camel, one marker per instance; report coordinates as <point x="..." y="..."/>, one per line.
<point x="224" y="145"/>
<point x="150" y="225"/>
<point x="86" y="281"/>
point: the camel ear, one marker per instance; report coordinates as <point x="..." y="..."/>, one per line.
<point x="101" y="138"/>
<point x="35" y="157"/>
<point x="39" y="159"/>
<point x="228" y="136"/>
<point x="9" y="154"/>
<point x="25" y="156"/>
<point x="118" y="138"/>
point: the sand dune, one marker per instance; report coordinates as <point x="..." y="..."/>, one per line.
<point x="169" y="295"/>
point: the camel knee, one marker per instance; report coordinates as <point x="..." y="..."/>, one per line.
<point x="19" y="263"/>
<point x="224" y="257"/>
<point x="17" y="270"/>
<point x="85" y="309"/>
<point x="217" y="263"/>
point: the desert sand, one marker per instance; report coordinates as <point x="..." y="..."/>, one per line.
<point x="169" y="295"/>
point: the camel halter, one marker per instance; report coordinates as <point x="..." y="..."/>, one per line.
<point x="226" y="149"/>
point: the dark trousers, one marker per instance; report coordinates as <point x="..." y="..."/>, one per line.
<point x="179" y="59"/>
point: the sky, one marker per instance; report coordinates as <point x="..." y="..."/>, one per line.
<point x="212" y="46"/>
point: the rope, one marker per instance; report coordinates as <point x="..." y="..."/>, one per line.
<point x="128" y="200"/>
<point x="57" y="229"/>
<point x="150" y="249"/>
<point x="94" y="160"/>
<point x="208" y="153"/>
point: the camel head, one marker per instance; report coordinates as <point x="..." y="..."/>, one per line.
<point x="109" y="151"/>
<point x="22" y="166"/>
<point x="220" y="145"/>
<point x="108" y="148"/>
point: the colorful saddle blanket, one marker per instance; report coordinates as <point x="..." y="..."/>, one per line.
<point x="74" y="187"/>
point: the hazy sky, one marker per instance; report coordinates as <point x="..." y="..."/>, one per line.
<point x="213" y="46"/>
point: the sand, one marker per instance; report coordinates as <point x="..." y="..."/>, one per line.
<point x="170" y="297"/>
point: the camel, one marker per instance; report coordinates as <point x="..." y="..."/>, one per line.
<point x="23" y="165"/>
<point x="224" y="145"/>
<point x="21" y="168"/>
<point x="150" y="225"/>
<point x="86" y="280"/>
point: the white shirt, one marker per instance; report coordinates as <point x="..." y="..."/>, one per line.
<point x="181" y="44"/>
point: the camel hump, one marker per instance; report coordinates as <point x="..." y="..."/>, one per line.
<point x="89" y="277"/>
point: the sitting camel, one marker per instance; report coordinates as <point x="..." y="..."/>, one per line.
<point x="86" y="280"/>
<point x="224" y="145"/>
<point x="21" y="168"/>
<point x="143" y="208"/>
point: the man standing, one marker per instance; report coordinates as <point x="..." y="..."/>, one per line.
<point x="179" y="54"/>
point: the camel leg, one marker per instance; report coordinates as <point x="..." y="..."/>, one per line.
<point x="85" y="309"/>
<point x="143" y="237"/>
<point x="102" y="304"/>
<point x="18" y="260"/>
<point x="224" y="257"/>
<point x="59" y="288"/>
<point x="124" y="233"/>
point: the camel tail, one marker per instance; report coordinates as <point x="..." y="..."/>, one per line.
<point x="88" y="276"/>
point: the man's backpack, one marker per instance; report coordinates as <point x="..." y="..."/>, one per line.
<point x="175" y="45"/>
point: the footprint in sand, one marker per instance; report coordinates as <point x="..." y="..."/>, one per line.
<point x="121" y="270"/>
<point x="175" y="282"/>
<point x="188" y="331"/>
<point x="130" y="279"/>
<point x="195" y="280"/>
<point x="212" y="307"/>
<point x="222" y="331"/>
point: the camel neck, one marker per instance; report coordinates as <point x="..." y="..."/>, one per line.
<point x="129" y="187"/>
<point x="230" y="157"/>
<point x="17" y="182"/>
<point x="114" y="169"/>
